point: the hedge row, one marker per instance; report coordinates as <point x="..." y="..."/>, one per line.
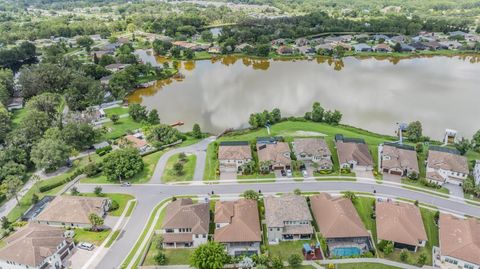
<point x="52" y="186"/>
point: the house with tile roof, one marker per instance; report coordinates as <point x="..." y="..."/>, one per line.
<point x="73" y="211"/>
<point x="36" y="246"/>
<point x="459" y="242"/>
<point x="313" y="150"/>
<point x="277" y="153"/>
<point x="353" y="153"/>
<point x="400" y="223"/>
<point x="185" y="224"/>
<point x="397" y="159"/>
<point x="237" y="226"/>
<point x="232" y="155"/>
<point x="287" y="218"/>
<point x="446" y="165"/>
<point x="340" y="224"/>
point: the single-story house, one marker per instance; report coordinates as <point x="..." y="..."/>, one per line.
<point x="284" y="50"/>
<point x="459" y="242"/>
<point x="382" y="47"/>
<point x="185" y="224"/>
<point x="400" y="223"/>
<point x="397" y="159"/>
<point x="300" y="42"/>
<point x="137" y="141"/>
<point x="36" y="246"/>
<point x="326" y="47"/>
<point x="116" y="67"/>
<point x="418" y="46"/>
<point x="306" y="50"/>
<point x="340" y="224"/>
<point x="434" y="45"/>
<point x="313" y="150"/>
<point x="73" y="211"/>
<point x="362" y="47"/>
<point x="379" y="37"/>
<point x="277" y="153"/>
<point x="233" y="154"/>
<point x="184" y="44"/>
<point x="287" y="218"/>
<point x="457" y="33"/>
<point x="451" y="44"/>
<point x="242" y="47"/>
<point x="215" y="50"/>
<point x="446" y="165"/>
<point x="279" y="42"/>
<point x="237" y="226"/>
<point x="406" y="48"/>
<point x="353" y="153"/>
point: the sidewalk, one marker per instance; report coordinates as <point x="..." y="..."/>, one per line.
<point x="369" y="260"/>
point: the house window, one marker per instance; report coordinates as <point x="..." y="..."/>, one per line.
<point x="468" y="266"/>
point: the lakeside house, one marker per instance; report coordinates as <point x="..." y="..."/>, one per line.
<point x="445" y="165"/>
<point x="362" y="47"/>
<point x="353" y="153"/>
<point x="232" y="155"/>
<point x="36" y="246"/>
<point x="340" y="225"/>
<point x="313" y="150"/>
<point x="138" y="141"/>
<point x="73" y="211"/>
<point x="459" y="242"/>
<point x="287" y="218"/>
<point x="276" y="153"/>
<point x="184" y="45"/>
<point x="400" y="223"/>
<point x="285" y="50"/>
<point x="215" y="50"/>
<point x="397" y="159"/>
<point x="382" y="47"/>
<point x="242" y="47"/>
<point x="237" y="227"/>
<point x="476" y="172"/>
<point x="116" y="67"/>
<point x="185" y="224"/>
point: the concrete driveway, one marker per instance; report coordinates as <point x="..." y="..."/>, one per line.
<point x="454" y="189"/>
<point x="228" y="175"/>
<point x="78" y="258"/>
<point x="392" y="178"/>
<point x="365" y="174"/>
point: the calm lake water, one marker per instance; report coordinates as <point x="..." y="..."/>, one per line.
<point x="372" y="93"/>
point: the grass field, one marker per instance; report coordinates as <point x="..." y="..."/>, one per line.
<point x="188" y="169"/>
<point x="174" y="256"/>
<point x="364" y="266"/>
<point x="95" y="238"/>
<point x="120" y="128"/>
<point x="120" y="110"/>
<point x="286" y="248"/>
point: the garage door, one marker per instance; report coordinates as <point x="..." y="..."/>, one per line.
<point x="396" y="173"/>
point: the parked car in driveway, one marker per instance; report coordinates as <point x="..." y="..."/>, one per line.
<point x="85" y="246"/>
<point x="283" y="173"/>
<point x="304" y="173"/>
<point x="289" y="173"/>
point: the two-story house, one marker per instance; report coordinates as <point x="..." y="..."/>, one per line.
<point x="353" y="153"/>
<point x="276" y="153"/>
<point x="237" y="226"/>
<point x="185" y="224"/>
<point x="36" y="246"/>
<point x="313" y="150"/>
<point x="232" y="155"/>
<point x="287" y="218"/>
<point x="445" y="165"/>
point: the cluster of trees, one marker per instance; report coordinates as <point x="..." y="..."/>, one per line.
<point x="26" y="52"/>
<point x="122" y="164"/>
<point x="264" y="118"/>
<point x="319" y="114"/>
<point x="161" y="135"/>
<point x="140" y="113"/>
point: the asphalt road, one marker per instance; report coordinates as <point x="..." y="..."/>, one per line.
<point x="149" y="195"/>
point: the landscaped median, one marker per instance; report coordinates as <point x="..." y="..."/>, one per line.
<point x="179" y="167"/>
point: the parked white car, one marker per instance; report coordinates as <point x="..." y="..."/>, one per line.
<point x="86" y="246"/>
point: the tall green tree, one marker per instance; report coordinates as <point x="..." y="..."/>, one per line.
<point x="211" y="255"/>
<point x="12" y="185"/>
<point x="122" y="164"/>
<point x="5" y="123"/>
<point x="153" y="117"/>
<point x="317" y="112"/>
<point x="137" y="112"/>
<point x="197" y="132"/>
<point x="161" y="135"/>
<point x="96" y="221"/>
<point x="50" y="154"/>
<point x="414" y="131"/>
<point x="79" y="135"/>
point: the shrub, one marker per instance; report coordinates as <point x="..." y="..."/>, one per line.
<point x="160" y="258"/>
<point x="104" y="150"/>
<point x="404" y="255"/>
<point x="92" y="169"/>
<point x="113" y="206"/>
<point x="295" y="260"/>
<point x="98" y="191"/>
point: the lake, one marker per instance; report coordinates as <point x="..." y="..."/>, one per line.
<point x="372" y="93"/>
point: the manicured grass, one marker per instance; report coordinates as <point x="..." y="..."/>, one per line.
<point x="112" y="238"/>
<point x="432" y="234"/>
<point x="286" y="248"/>
<point x="211" y="162"/>
<point x="120" y="128"/>
<point x="131" y="208"/>
<point x="364" y="266"/>
<point x="169" y="174"/>
<point x="95" y="238"/>
<point x="120" y="110"/>
<point x="120" y="198"/>
<point x="443" y="192"/>
<point x="365" y="209"/>
<point x="174" y="256"/>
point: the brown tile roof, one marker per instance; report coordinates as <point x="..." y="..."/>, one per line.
<point x="72" y="209"/>
<point x="288" y="207"/>
<point x="400" y="158"/>
<point x="183" y="213"/>
<point x="359" y="152"/>
<point x="460" y="238"/>
<point x="447" y="161"/>
<point x="337" y="217"/>
<point x="136" y="142"/>
<point x="277" y="153"/>
<point x="400" y="222"/>
<point x="32" y="244"/>
<point x="240" y="152"/>
<point x="244" y="225"/>
<point x="311" y="146"/>
<point x="177" y="237"/>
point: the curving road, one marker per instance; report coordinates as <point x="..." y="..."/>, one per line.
<point x="149" y="195"/>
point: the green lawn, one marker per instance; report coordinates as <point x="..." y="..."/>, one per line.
<point x="174" y="256"/>
<point x="169" y="174"/>
<point x="120" y="128"/>
<point x="286" y="248"/>
<point x="120" y="198"/>
<point x="364" y="266"/>
<point x="443" y="191"/>
<point x="364" y="206"/>
<point x="95" y="238"/>
<point x="120" y="110"/>
<point x="211" y="163"/>
<point x="131" y="208"/>
<point x="113" y="238"/>
<point x="17" y="116"/>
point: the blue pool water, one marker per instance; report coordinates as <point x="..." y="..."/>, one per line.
<point x="345" y="251"/>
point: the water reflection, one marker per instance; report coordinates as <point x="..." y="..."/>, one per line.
<point x="372" y="92"/>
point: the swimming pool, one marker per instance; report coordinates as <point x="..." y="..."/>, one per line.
<point x="345" y="251"/>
